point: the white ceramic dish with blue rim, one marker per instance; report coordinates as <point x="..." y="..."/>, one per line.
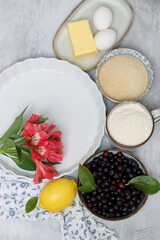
<point x="126" y="52"/>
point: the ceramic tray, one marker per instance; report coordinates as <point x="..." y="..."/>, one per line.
<point x="63" y="93"/>
<point x="122" y="20"/>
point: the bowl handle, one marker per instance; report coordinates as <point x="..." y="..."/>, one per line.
<point x="156" y="115"/>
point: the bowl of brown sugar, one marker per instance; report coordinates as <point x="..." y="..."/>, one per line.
<point x="124" y="75"/>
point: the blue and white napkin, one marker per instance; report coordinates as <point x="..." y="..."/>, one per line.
<point x="76" y="222"/>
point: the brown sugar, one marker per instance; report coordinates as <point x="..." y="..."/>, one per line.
<point x="123" y="78"/>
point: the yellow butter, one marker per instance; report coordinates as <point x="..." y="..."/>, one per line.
<point x="82" y="41"/>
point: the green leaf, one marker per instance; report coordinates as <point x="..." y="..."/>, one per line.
<point x="86" y="179"/>
<point x="9" y="144"/>
<point x="16" y="137"/>
<point x="84" y="189"/>
<point x="31" y="204"/>
<point x="147" y="184"/>
<point x="26" y="160"/>
<point x="19" y="153"/>
<point x="14" y="128"/>
<point x="42" y="120"/>
<point x="26" y="149"/>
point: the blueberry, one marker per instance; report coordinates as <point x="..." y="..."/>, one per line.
<point x="93" y="199"/>
<point x="117" y="214"/>
<point x="119" y="190"/>
<point x="111" y="215"/>
<point x="96" y="159"/>
<point x="95" y="209"/>
<point x="100" y="169"/>
<point x="115" y="207"/>
<point x="139" y="172"/>
<point x="105" y="170"/>
<point x="128" y="197"/>
<point x="100" y="157"/>
<point x="133" y="208"/>
<point x="107" y="215"/>
<point x="119" y="203"/>
<point x="94" y="192"/>
<point x="119" y="154"/>
<point x="112" y="198"/>
<point x="99" y="212"/>
<point x="134" y="192"/>
<point x="99" y="204"/>
<point x="116" y="176"/>
<point x="120" y="168"/>
<point x="111" y="172"/>
<point x="88" y="166"/>
<point x="99" y="181"/>
<point x="95" y="174"/>
<point x="106" y="190"/>
<point x="124" y="213"/>
<point x="114" y="183"/>
<point x="104" y="177"/>
<point x="109" y="203"/>
<point x="126" y="204"/>
<point x="112" y="188"/>
<point x="130" y="176"/>
<point x="128" y="170"/>
<point x="127" y="193"/>
<point x="119" y="198"/>
<point x="115" y="163"/>
<point x="121" y="185"/>
<point x="124" y="209"/>
<point x="131" y="203"/>
<point x="100" y="174"/>
<point x="94" y="204"/>
<point x="110" y="154"/>
<point x="90" y="205"/>
<point x="111" y="166"/>
<point x="107" y="195"/>
<point x="105" y="207"/>
<point x="98" y="198"/>
<point x="106" y="154"/>
<point x="102" y="195"/>
<point x="111" y="210"/>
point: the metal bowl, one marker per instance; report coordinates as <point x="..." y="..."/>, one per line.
<point x="129" y="155"/>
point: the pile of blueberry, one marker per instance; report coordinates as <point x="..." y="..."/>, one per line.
<point x="112" y="198"/>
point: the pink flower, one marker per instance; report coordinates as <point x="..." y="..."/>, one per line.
<point x="43" y="171"/>
<point x="43" y="142"/>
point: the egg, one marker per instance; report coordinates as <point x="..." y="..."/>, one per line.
<point x="105" y="39"/>
<point x="102" y="18"/>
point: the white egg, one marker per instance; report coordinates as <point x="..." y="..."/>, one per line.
<point x="105" y="39"/>
<point x="102" y="18"/>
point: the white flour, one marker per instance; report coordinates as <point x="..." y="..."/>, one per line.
<point x="130" y="124"/>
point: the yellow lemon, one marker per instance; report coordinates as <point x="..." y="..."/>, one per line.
<point x="57" y="194"/>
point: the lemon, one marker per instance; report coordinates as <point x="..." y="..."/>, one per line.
<point x="57" y="194"/>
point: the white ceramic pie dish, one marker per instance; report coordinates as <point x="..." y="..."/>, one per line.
<point x="63" y="93"/>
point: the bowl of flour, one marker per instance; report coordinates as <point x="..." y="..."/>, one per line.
<point x="130" y="124"/>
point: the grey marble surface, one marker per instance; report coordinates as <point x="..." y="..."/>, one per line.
<point x="27" y="28"/>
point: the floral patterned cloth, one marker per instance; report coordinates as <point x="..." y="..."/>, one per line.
<point x="76" y="222"/>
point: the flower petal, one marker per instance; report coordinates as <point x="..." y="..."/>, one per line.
<point x="34" y="118"/>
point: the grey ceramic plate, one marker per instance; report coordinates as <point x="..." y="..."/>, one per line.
<point x="122" y="20"/>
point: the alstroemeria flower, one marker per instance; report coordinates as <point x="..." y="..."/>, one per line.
<point x="43" y="171"/>
<point x="43" y="141"/>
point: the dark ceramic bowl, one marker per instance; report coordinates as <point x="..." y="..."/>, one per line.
<point x="141" y="166"/>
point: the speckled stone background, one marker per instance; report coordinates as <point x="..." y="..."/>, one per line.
<point x="27" y="28"/>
